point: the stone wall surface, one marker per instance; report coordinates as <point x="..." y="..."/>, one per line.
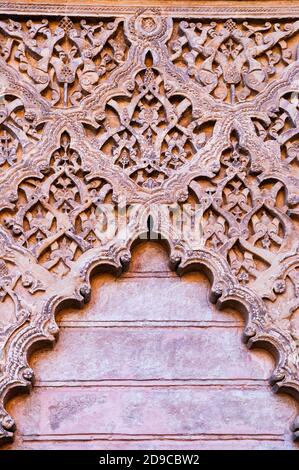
<point x="122" y="122"/>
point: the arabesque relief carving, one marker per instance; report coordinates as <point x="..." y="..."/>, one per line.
<point x="109" y="122"/>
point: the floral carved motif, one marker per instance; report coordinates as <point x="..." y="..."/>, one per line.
<point x="148" y="119"/>
<point x="64" y="61"/>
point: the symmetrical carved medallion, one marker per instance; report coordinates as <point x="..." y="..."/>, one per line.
<point x="112" y="124"/>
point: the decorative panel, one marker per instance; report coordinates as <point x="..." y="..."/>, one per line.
<point x="116" y="121"/>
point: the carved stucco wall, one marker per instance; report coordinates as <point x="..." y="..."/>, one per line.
<point x="183" y="107"/>
<point x="165" y="369"/>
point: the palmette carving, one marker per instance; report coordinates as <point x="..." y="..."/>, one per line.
<point x="58" y="219"/>
<point x="139" y="121"/>
<point x="63" y="59"/>
<point x="231" y="60"/>
<point x="151" y="137"/>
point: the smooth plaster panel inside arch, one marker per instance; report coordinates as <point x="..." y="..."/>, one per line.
<point x="161" y="370"/>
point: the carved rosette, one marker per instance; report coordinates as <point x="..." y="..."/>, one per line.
<point x="148" y="111"/>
